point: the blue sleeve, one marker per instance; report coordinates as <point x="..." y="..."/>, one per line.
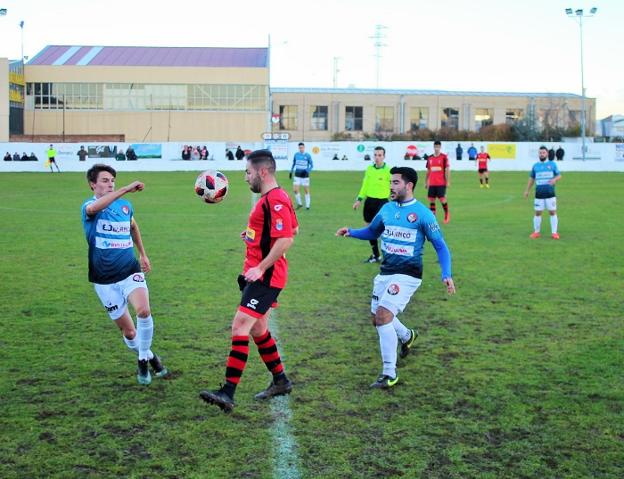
<point x="310" y="164"/>
<point x="556" y="170"/>
<point x="293" y="164"/>
<point x="532" y="174"/>
<point x="370" y="232"/>
<point x="444" y="256"/>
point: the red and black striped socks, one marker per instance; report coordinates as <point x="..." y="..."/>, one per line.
<point x="236" y="362"/>
<point x="269" y="353"/>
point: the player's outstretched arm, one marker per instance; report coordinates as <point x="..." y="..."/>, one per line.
<point x="444" y="258"/>
<point x="107" y="199"/>
<point x="146" y="266"/>
<point x="528" y="188"/>
<point x="450" y="285"/>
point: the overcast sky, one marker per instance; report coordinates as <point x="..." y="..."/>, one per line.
<point x="479" y="45"/>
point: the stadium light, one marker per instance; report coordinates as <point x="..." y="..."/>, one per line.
<point x="578" y="14"/>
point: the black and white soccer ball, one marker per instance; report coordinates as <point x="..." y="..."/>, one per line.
<point x="211" y="186"/>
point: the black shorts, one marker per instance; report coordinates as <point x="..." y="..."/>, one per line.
<point x="372" y="207"/>
<point x="436" y="192"/>
<point x="483" y="170"/>
<point x="257" y="297"/>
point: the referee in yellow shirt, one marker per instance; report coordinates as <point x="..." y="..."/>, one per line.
<point x="375" y="192"/>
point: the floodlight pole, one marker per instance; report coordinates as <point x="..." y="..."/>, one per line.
<point x="578" y="13"/>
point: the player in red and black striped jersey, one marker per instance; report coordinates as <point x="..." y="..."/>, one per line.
<point x="438" y="179"/>
<point x="270" y="233"/>
<point x="482" y="164"/>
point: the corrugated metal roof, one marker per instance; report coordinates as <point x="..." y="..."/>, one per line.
<point x="152" y="56"/>
<point x="372" y="91"/>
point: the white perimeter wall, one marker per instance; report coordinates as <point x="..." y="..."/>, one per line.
<point x="600" y="156"/>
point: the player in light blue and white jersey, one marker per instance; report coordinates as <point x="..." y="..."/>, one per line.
<point x="118" y="278"/>
<point x="403" y="225"/>
<point x="301" y="166"/>
<point x="544" y="175"/>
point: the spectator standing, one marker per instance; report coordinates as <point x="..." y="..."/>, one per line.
<point x="131" y="154"/>
<point x="120" y="156"/>
<point x="8" y="157"/>
<point x="186" y="153"/>
<point x="240" y="154"/>
<point x="82" y="154"/>
<point x="203" y="153"/>
<point x="472" y="152"/>
<point x="551" y="154"/>
<point x="16" y="157"/>
<point x="24" y="157"/>
<point x="560" y="153"/>
<point x="229" y="155"/>
<point x="459" y="151"/>
<point x="33" y="157"/>
<point x="195" y="154"/>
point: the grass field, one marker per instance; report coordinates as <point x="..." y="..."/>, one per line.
<point x="519" y="375"/>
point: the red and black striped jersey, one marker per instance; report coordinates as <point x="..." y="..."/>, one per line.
<point x="272" y="217"/>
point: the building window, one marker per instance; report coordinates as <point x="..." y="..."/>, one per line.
<point x="288" y="117"/>
<point x="450" y="118"/>
<point x="319" y="117"/>
<point x="483" y="117"/>
<point x="419" y="118"/>
<point x="140" y="96"/>
<point x="384" y="118"/>
<point x="513" y="116"/>
<point x="354" y="118"/>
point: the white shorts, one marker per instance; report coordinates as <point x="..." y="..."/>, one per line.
<point x="301" y="181"/>
<point x="114" y="297"/>
<point x="545" y="203"/>
<point x="393" y="291"/>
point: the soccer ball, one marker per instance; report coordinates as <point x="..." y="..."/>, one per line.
<point x="211" y="186"/>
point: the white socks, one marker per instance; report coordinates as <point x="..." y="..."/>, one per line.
<point x="307" y="198"/>
<point x="537" y="223"/>
<point x="132" y="344"/>
<point x="298" y="198"/>
<point x="402" y="332"/>
<point x="145" y="330"/>
<point x="554" y="223"/>
<point x="388" y="342"/>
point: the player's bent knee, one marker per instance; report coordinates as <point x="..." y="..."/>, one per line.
<point x="382" y="316"/>
<point x="129" y="333"/>
<point x="143" y="311"/>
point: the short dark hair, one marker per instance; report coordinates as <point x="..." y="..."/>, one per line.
<point x="437" y="142"/>
<point x="262" y="158"/>
<point x="300" y="144"/>
<point x="408" y="174"/>
<point x="95" y="170"/>
<point x="380" y="148"/>
<point x="543" y="147"/>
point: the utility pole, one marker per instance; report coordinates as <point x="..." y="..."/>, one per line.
<point x="336" y="70"/>
<point x="378" y="38"/>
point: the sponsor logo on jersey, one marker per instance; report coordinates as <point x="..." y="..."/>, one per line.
<point x="138" y="278"/>
<point x="433" y="227"/>
<point x="412" y="217"/>
<point x="279" y="225"/>
<point x="250" y="235"/>
<point x="107" y="243"/>
<point x="278" y="207"/>
<point x="399" y="250"/>
<point x="375" y="297"/>
<point x="111" y="308"/>
<point x="125" y="209"/>
<point x="393" y="289"/>
<point x="397" y="216"/>
<point x="436" y="168"/>
<point x="120" y="228"/>
<point x="399" y="233"/>
<point x="252" y="303"/>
